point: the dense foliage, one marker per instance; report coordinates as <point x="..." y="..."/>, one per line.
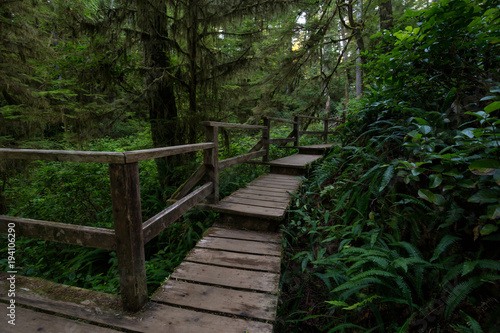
<point x="398" y="230"/>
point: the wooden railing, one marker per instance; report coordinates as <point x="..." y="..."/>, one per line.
<point x="130" y="234"/>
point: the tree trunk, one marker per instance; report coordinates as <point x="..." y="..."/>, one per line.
<point x="160" y="95"/>
<point x="386" y="21"/>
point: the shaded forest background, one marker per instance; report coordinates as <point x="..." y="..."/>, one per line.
<point x="396" y="231"/>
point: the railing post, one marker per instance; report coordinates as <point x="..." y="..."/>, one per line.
<point x="296" y="129"/>
<point x="326" y="130"/>
<point x="266" y="134"/>
<point x="211" y="161"/>
<point x="126" y="199"/>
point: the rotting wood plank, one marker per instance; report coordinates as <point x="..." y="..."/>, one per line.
<point x="223" y="300"/>
<point x="32" y="321"/>
<point x="257" y="203"/>
<point x="227" y="277"/>
<point x="273" y="237"/>
<point x="99" y="238"/>
<point x="235" y="260"/>
<point x="239" y="245"/>
<point x="260" y="212"/>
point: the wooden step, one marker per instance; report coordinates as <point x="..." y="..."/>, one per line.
<point x="320" y="149"/>
<point x="294" y="165"/>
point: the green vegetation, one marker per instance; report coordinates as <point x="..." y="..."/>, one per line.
<point x="397" y="230"/>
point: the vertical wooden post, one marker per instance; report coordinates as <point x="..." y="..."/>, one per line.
<point x="325" y="136"/>
<point x="126" y="199"/>
<point x="211" y="161"/>
<point x="296" y="129"/>
<point x="266" y="134"/>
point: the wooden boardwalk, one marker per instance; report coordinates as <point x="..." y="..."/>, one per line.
<point x="228" y="283"/>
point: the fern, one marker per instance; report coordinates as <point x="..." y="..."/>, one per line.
<point x="411" y="249"/>
<point x="389" y="172"/>
<point x="462" y="290"/>
<point x="443" y="245"/>
<point x="469" y="266"/>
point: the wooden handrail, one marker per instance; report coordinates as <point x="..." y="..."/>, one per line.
<point x="99" y="238"/>
<point x="62" y="155"/>
<point x="152" y="227"/>
<point x="147" y="154"/>
<point x="231" y="125"/>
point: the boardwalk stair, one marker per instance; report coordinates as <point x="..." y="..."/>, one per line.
<point x="228" y="283"/>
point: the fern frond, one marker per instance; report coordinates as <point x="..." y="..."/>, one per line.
<point x="446" y="241"/>
<point x="410" y="248"/>
<point x="462" y="290"/>
<point x="344" y="326"/>
<point x="469" y="266"/>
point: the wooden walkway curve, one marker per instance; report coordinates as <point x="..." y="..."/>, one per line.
<point x="228" y="283"/>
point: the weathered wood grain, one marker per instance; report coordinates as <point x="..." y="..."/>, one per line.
<point x="256" y="202"/>
<point x="227" y="277"/>
<point x="271" y="237"/>
<point x="246" y="210"/>
<point x="230" y="125"/>
<point x="239" y="245"/>
<point x="147" y="154"/>
<point x="211" y="161"/>
<point x="32" y="321"/>
<point x="263" y="192"/>
<point x="158" y="223"/>
<point x="62" y="155"/>
<point x="235" y="260"/>
<point x="127" y="216"/>
<point x="296" y="161"/>
<point x="223" y="300"/>
<point x="262" y="196"/>
<point x="99" y="238"/>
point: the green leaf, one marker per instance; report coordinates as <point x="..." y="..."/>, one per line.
<point x="387" y="177"/>
<point x="427" y="195"/>
<point x="446" y="241"/>
<point x="485" y="164"/>
<point x="492" y="107"/>
<point x="485" y="196"/>
<point x="488" y="229"/>
<point x="436" y="180"/>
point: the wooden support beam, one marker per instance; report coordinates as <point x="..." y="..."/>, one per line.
<point x="266" y="133"/>
<point x="211" y="161"/>
<point x="195" y="178"/>
<point x="296" y="131"/>
<point x="99" y="238"/>
<point x="147" y="154"/>
<point x="62" y="155"/>
<point x="240" y="159"/>
<point x="126" y="199"/>
<point x="230" y="125"/>
<point x="158" y="223"/>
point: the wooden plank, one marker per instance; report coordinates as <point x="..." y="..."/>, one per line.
<point x="210" y="298"/>
<point x="154" y="318"/>
<point x="257" y="146"/>
<point x="230" y="125"/>
<point x="227" y="163"/>
<point x="227" y="277"/>
<point x="263" y="192"/>
<point x="185" y="188"/>
<point x="152" y="227"/>
<point x="270" y="237"/>
<point x="276" y="183"/>
<point x="127" y="217"/>
<point x="99" y="238"/>
<point x="147" y="154"/>
<point x="264" y="197"/>
<point x="239" y="245"/>
<point x="235" y="260"/>
<point x="62" y="155"/>
<point x="260" y="212"/>
<point x="269" y="189"/>
<point x="256" y="202"/>
<point x="280" y="178"/>
<point x="32" y="321"/>
<point x="299" y="160"/>
<point x="323" y="145"/>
